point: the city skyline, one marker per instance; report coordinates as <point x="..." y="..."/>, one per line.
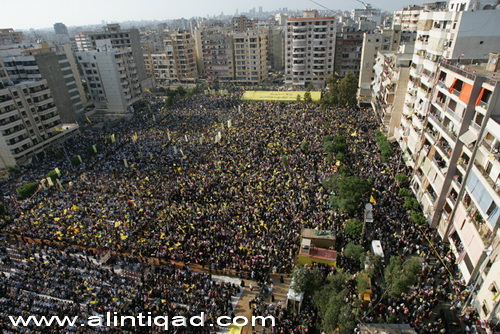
<point x="32" y="14"/>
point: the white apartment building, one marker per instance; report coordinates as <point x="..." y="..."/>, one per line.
<point x="112" y="79"/>
<point x="445" y="34"/>
<point x="179" y="63"/>
<point x="309" y="50"/>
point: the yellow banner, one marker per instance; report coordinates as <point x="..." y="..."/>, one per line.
<point x="278" y="96"/>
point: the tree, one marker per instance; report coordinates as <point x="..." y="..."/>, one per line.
<point x="349" y="191"/>
<point x="353" y="227"/>
<point x="299" y="99"/>
<point x="307" y="96"/>
<point x="384" y="145"/>
<point x="401" y="178"/>
<point x="362" y="282"/>
<point x="53" y="175"/>
<point x="337" y="144"/>
<point x="330" y="300"/>
<point x="411" y="203"/>
<point x="307" y="280"/>
<point x="340" y="157"/>
<point x="405" y="192"/>
<point x="342" y="92"/>
<point x="400" y="276"/>
<point x="354" y="251"/>
<point x="304" y="146"/>
<point x="418" y="218"/>
<point x="27" y="190"/>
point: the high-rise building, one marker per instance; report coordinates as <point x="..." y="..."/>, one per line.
<point x="60" y="29"/>
<point x="37" y="103"/>
<point x="180" y="56"/>
<point x="83" y="42"/>
<point x="125" y="39"/>
<point x="309" y="49"/>
<point x="112" y="79"/>
<point x="385" y="40"/>
<point x="214" y="46"/>
<point x="276" y="48"/>
<point x="348" y="45"/>
<point x="442" y="34"/>
<point x="242" y="23"/>
<point x="250" y="58"/>
<point x="392" y="71"/>
<point x="9" y="36"/>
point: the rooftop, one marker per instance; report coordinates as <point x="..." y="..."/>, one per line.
<point x="470" y="70"/>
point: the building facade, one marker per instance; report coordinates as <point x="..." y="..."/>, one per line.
<point x="112" y="80"/>
<point x="309" y="50"/>
<point x="250" y="58"/>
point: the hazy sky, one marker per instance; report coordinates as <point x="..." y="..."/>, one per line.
<point x="27" y="14"/>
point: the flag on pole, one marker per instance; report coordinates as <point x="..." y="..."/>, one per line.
<point x="186" y="137"/>
<point x="229" y="123"/>
<point x="168" y="135"/>
<point x="60" y="184"/>
<point x="182" y="152"/>
<point x="134" y="137"/>
<point x="49" y="181"/>
<point x="125" y="162"/>
<point x="113" y="139"/>
<point x="88" y="120"/>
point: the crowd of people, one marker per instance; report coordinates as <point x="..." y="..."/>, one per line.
<point x="217" y="182"/>
<point x="39" y="280"/>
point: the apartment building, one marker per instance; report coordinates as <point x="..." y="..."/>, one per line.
<point x="215" y="47"/>
<point x="384" y="40"/>
<point x="407" y="18"/>
<point x="112" y="79"/>
<point x="442" y="34"/>
<point x="179" y="63"/>
<point x="309" y="50"/>
<point x="457" y="169"/>
<point x="242" y="24"/>
<point x="392" y="71"/>
<point x="250" y="58"/>
<point x="30" y="120"/>
<point x="126" y="40"/>
<point x="83" y="42"/>
<point x="9" y="36"/>
<point x="276" y="53"/>
<point x="349" y="41"/>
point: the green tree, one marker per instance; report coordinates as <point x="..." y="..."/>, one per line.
<point x="307" y="97"/>
<point x="306" y="279"/>
<point x="355" y="252"/>
<point x="349" y="191"/>
<point x="400" y="276"/>
<point x="304" y="146"/>
<point x="27" y="190"/>
<point x="340" y="157"/>
<point x="353" y="227"/>
<point x="330" y="300"/>
<point x="337" y="144"/>
<point x="53" y="175"/>
<point x="411" y="203"/>
<point x="405" y="192"/>
<point x="299" y="98"/>
<point x="362" y="282"/>
<point x="418" y="218"/>
<point x="342" y="92"/>
<point x="401" y="178"/>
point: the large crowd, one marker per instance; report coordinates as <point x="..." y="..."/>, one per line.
<point x="210" y="181"/>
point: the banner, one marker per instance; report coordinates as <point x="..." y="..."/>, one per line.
<point x="278" y="96"/>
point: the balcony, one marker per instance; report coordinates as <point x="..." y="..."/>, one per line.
<point x="487" y="177"/>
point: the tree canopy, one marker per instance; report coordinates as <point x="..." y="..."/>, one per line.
<point x="342" y="92"/>
<point x="399" y="275"/>
<point x="349" y="191"/>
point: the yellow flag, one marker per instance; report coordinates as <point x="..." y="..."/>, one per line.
<point x="372" y="199"/>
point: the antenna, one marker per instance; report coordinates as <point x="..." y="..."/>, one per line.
<point x="317" y="3"/>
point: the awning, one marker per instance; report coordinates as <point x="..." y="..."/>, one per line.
<point x="468" y="137"/>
